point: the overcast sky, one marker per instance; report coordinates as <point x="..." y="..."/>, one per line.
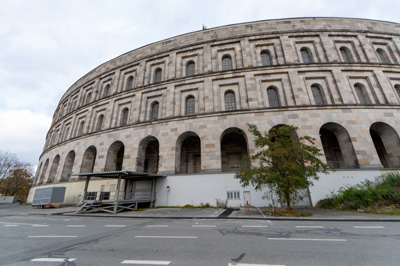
<point x="47" y="45"/>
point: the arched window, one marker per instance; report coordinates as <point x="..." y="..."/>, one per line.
<point x="88" y="97"/>
<point x="226" y="62"/>
<point x="190" y="68"/>
<point x="346" y="54"/>
<point x="266" y="58"/>
<point x="397" y="89"/>
<point x="273" y="98"/>
<point x="317" y="93"/>
<point x="190" y="105"/>
<point x="306" y="55"/>
<point x="129" y="83"/>
<point x="106" y="91"/>
<point x="360" y="93"/>
<point x="154" y="111"/>
<point x="99" y="124"/>
<point x="124" y="116"/>
<point x="230" y="101"/>
<point x="81" y="128"/>
<point x="157" y="75"/>
<point x="383" y="57"/>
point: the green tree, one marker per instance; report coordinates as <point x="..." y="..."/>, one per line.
<point x="18" y="183"/>
<point x="286" y="164"/>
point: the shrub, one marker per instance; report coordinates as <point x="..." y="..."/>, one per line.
<point x="385" y="191"/>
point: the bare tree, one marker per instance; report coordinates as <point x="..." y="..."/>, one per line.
<point x="8" y="163"/>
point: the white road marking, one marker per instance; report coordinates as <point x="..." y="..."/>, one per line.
<point x="22" y="223"/>
<point x="114" y="225"/>
<point x="76" y="225"/>
<point x="261" y="213"/>
<point x="146" y="262"/>
<point x="157" y="225"/>
<point x="53" y="259"/>
<point x="171" y="237"/>
<point x="369" y="227"/>
<point x="40" y="225"/>
<point x="11" y="225"/>
<point x="52" y="236"/>
<point x="203" y="225"/>
<point x="248" y="264"/>
<point x="310" y="239"/>
<point x="309" y="226"/>
<point x="254" y="226"/>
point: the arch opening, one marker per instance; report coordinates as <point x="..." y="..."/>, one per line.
<point x="387" y="144"/>
<point x="115" y="157"/>
<point x="338" y="147"/>
<point x="43" y="174"/>
<point x="233" y="149"/>
<point x="188" y="154"/>
<point x="88" y="161"/>
<point x="68" y="164"/>
<point x="53" y="169"/>
<point x="148" y="156"/>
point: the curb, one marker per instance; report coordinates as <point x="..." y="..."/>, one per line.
<point x="233" y="218"/>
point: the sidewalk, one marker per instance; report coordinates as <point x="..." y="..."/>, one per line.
<point x="202" y="213"/>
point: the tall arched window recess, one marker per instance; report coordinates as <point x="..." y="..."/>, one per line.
<point x="124" y="116"/>
<point x="99" y="124"/>
<point x="346" y="54"/>
<point x="306" y="55"/>
<point x="317" y="94"/>
<point x="383" y="56"/>
<point x="273" y="97"/>
<point x="106" y="91"/>
<point x="266" y="59"/>
<point x="66" y="133"/>
<point x="129" y="83"/>
<point x="81" y="128"/>
<point x="157" y="75"/>
<point x="88" y="97"/>
<point x="226" y="62"/>
<point x="230" y="100"/>
<point x="190" y="68"/>
<point x="397" y="89"/>
<point x="154" y="110"/>
<point x="190" y="105"/>
<point x="360" y="91"/>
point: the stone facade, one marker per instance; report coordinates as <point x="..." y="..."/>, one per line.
<point x="181" y="105"/>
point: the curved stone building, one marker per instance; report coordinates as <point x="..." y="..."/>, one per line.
<point x="179" y="108"/>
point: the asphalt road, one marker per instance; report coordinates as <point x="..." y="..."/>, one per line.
<point x="29" y="239"/>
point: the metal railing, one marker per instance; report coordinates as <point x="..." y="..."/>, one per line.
<point x="103" y="196"/>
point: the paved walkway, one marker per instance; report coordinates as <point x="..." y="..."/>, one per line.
<point x="210" y="213"/>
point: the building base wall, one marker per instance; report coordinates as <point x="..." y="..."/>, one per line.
<point x="212" y="189"/>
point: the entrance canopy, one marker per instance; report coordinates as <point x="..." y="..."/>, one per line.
<point x="105" y="202"/>
<point x="123" y="174"/>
